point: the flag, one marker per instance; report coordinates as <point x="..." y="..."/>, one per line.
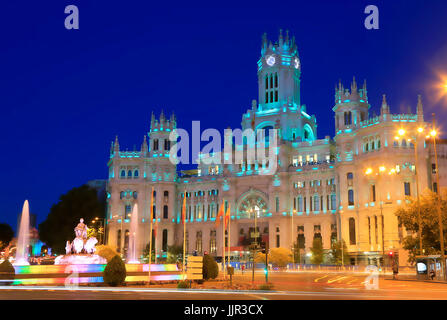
<point x="184" y="208"/>
<point x="227" y="216"/>
<point x="220" y="214"/>
<point x="152" y="213"/>
<point x="253" y="120"/>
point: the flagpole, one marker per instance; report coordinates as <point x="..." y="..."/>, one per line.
<point x="184" y="233"/>
<point x="150" y="235"/>
<point x="229" y="233"/>
<point x="223" y="244"/>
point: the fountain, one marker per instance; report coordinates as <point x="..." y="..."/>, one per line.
<point x="82" y="247"/>
<point x="23" y="238"/>
<point x="132" y="256"/>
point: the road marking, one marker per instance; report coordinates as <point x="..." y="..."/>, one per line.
<point x="316" y="280"/>
<point x="336" y="279"/>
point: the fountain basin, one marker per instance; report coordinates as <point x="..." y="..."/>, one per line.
<point x="80" y="259"/>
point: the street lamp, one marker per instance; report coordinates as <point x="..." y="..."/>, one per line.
<point x="401" y="133"/>
<point x="293" y="243"/>
<point x="433" y="133"/>
<point x="381" y="170"/>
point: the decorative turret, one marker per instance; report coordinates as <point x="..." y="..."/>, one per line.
<point x="351" y="106"/>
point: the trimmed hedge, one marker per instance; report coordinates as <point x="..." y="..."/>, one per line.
<point x="7" y="272"/>
<point x="115" y="272"/>
<point x="210" y="267"/>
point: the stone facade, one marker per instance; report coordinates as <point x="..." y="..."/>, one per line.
<point x="320" y="188"/>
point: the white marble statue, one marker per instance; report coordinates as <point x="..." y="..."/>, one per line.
<point x="78" y="245"/>
<point x="68" y="247"/>
<point x="90" y="245"/>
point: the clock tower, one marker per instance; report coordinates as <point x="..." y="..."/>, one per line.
<point x="279" y="71"/>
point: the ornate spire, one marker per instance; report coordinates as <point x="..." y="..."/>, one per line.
<point x="420" y="109"/>
<point x="144" y="145"/>
<point x="116" y="145"/>
<point x="385" y="107"/>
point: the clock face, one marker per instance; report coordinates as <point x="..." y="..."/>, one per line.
<point x="297" y="63"/>
<point x="270" y="60"/>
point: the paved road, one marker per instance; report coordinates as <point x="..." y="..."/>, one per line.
<point x="290" y="286"/>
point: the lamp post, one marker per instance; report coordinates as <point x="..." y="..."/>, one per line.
<point x="433" y="133"/>
<point x="255" y="243"/>
<point x="401" y="133"/>
<point x="293" y="243"/>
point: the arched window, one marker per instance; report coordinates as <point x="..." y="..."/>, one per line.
<point x="352" y="240"/>
<point x="127" y="211"/>
<point x="166" y="196"/>
<point x="165" y="212"/>
<point x="350" y="197"/>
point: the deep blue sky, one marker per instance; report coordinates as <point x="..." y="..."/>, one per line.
<point x="65" y="94"/>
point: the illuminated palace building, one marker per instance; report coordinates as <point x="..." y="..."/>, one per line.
<point x="346" y="187"/>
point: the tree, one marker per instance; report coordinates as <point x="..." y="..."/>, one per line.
<point x="175" y="253"/>
<point x="106" y="251"/>
<point x="114" y="273"/>
<point x="408" y="217"/>
<point x="317" y="252"/>
<point x="81" y="202"/>
<point x="279" y="257"/>
<point x="296" y="252"/>
<point x="6" y="235"/>
<point x="7" y="272"/>
<point x="210" y="268"/>
<point x="337" y="252"/>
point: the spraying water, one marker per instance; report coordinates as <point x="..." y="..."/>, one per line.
<point x="23" y="238"/>
<point x="133" y="236"/>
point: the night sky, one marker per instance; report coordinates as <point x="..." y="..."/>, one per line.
<point x="65" y="94"/>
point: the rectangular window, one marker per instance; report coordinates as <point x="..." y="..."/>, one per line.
<point x="407" y="188"/>
<point x="164" y="246"/>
